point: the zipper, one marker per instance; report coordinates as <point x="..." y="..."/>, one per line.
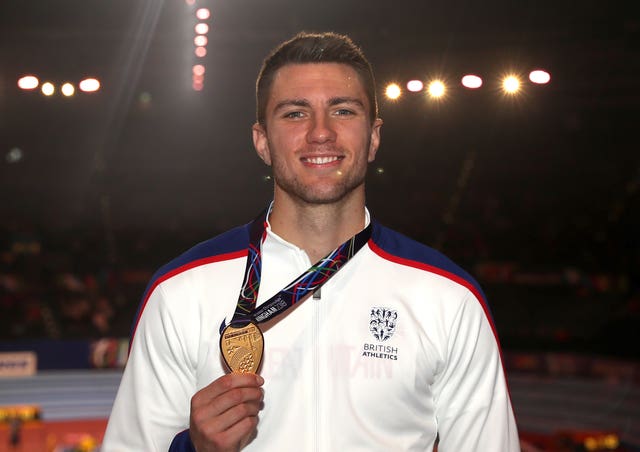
<point x="317" y="418"/>
<point x="313" y="344"/>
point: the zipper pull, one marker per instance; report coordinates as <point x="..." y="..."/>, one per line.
<point x="316" y="294"/>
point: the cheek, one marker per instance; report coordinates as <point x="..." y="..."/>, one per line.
<point x="361" y="143"/>
<point x="356" y="137"/>
<point x="279" y="152"/>
<point x="286" y="144"/>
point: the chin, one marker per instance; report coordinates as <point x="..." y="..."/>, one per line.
<point x="330" y="196"/>
<point x="328" y="193"/>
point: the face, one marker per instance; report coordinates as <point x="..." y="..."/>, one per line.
<point x="317" y="135"/>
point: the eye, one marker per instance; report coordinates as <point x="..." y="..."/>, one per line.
<point x="293" y="114"/>
<point x="344" y="112"/>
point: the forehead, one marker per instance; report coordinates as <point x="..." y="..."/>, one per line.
<point x="316" y="81"/>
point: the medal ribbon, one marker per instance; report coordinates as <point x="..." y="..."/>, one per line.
<point x="309" y="281"/>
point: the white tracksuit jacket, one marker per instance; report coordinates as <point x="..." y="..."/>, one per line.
<point x="433" y="366"/>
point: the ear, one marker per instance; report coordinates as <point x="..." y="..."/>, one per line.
<point x="261" y="143"/>
<point x="375" y="139"/>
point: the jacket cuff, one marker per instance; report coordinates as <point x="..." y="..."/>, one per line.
<point x="182" y="443"/>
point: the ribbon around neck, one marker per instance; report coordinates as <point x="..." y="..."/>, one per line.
<point x="308" y="282"/>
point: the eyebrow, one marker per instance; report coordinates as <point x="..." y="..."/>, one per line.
<point x="292" y="103"/>
<point x="305" y="103"/>
<point x="346" y="100"/>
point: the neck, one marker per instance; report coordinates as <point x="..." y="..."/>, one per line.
<point x="317" y="228"/>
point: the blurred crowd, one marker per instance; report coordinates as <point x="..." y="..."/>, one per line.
<point x="86" y="284"/>
<point x="65" y="285"/>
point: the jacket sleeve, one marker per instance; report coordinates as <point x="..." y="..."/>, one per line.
<point x="182" y="443"/>
<point x="152" y="405"/>
<point x="473" y="406"/>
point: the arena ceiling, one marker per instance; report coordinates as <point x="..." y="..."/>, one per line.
<point x="147" y="151"/>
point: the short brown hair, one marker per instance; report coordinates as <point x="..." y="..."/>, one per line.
<point x="315" y="48"/>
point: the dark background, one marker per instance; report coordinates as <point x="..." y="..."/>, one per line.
<point x="537" y="195"/>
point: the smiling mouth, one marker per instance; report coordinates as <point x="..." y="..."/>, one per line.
<point x="321" y="160"/>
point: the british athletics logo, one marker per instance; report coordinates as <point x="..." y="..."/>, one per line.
<point x="382" y="325"/>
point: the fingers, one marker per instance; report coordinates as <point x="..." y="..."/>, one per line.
<point x="228" y="384"/>
<point x="224" y="414"/>
<point x="235" y="437"/>
<point x="228" y="409"/>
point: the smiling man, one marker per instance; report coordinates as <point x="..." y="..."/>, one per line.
<point x="318" y="137"/>
<point x="313" y="327"/>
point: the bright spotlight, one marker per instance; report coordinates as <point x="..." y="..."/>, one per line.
<point x="511" y="84"/>
<point x="198" y="69"/>
<point x="539" y="76"/>
<point x="203" y="13"/>
<point x="67" y="89"/>
<point x="415" y="86"/>
<point x="28" y="82"/>
<point x="436" y="89"/>
<point x="201" y="51"/>
<point x="48" y="89"/>
<point x="202" y="29"/>
<point x="200" y="40"/>
<point x="393" y="91"/>
<point x="89" y="85"/>
<point x="471" y="81"/>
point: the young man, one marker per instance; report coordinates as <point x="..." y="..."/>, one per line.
<point x="384" y="345"/>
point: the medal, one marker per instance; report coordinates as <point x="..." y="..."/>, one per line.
<point x="242" y="347"/>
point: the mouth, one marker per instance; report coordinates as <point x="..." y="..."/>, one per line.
<point x="321" y="160"/>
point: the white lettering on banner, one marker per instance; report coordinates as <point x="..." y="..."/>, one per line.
<point x="18" y="364"/>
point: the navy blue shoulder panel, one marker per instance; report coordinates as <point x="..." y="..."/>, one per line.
<point x="232" y="241"/>
<point x="406" y="249"/>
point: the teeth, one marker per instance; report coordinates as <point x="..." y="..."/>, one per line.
<point x="321" y="160"/>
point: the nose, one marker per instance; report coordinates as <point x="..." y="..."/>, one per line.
<point x="321" y="130"/>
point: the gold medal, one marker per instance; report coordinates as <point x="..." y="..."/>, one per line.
<point x="242" y="347"/>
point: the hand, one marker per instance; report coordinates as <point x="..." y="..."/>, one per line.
<point x="224" y="415"/>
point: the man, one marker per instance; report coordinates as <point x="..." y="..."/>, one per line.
<point x="388" y="347"/>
